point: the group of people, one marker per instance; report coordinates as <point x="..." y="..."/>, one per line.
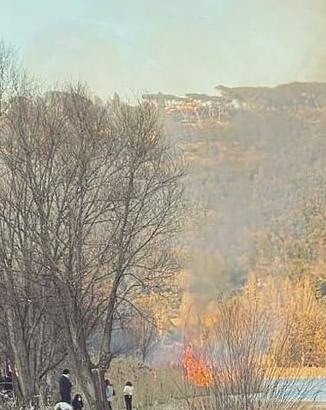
<point x="67" y="403"/>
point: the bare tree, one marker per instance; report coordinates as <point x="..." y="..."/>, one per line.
<point x="27" y="335"/>
<point x="100" y="208"/>
<point x="145" y="336"/>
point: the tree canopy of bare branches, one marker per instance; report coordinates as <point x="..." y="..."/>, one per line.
<point x="90" y="205"/>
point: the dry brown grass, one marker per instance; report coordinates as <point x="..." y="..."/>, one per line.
<point x="152" y="387"/>
<point x="165" y="388"/>
<point x="301" y="373"/>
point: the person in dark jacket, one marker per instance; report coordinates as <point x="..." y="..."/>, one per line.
<point x="77" y="402"/>
<point x="65" y="387"/>
<point x="8" y="383"/>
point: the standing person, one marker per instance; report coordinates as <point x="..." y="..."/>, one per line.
<point x="127" y="392"/>
<point x="65" y="386"/>
<point x="110" y="393"/>
<point x="77" y="403"/>
<point x="8" y="382"/>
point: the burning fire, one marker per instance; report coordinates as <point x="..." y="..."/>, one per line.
<point x="196" y="370"/>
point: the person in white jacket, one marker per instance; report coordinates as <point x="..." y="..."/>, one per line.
<point x="63" y="406"/>
<point x="127" y="393"/>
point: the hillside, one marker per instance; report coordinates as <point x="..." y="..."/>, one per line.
<point x="228" y="102"/>
<point x="255" y="155"/>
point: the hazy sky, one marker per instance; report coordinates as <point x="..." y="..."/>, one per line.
<point x="134" y="46"/>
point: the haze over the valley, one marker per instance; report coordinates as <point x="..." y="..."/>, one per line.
<point x="256" y="156"/>
<point x="162" y="204"/>
<point x="136" y="48"/>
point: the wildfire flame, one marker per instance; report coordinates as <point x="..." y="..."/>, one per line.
<point x="196" y="370"/>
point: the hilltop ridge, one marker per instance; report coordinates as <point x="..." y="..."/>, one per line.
<point x="228" y="101"/>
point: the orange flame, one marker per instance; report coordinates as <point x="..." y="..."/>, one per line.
<point x="196" y="370"/>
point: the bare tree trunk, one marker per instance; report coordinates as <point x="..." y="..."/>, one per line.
<point x="100" y="390"/>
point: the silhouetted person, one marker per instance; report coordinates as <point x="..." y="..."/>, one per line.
<point x="6" y="383"/>
<point x="65" y="387"/>
<point x="77" y="402"/>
